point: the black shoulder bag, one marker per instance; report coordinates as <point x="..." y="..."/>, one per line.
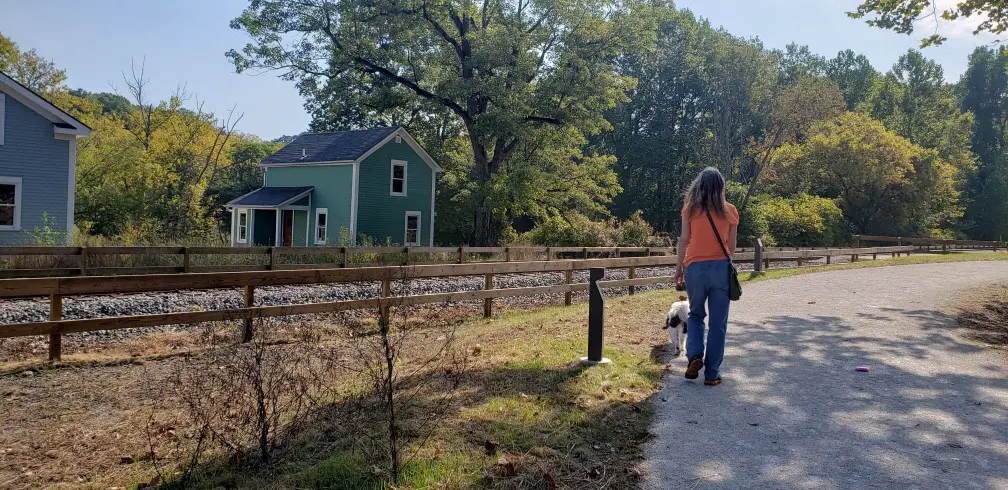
<point x="734" y="287"/>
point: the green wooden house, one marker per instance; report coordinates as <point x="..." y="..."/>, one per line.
<point x="323" y="187"/>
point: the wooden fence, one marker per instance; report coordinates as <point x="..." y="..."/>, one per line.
<point x="57" y="288"/>
<point x="929" y="243"/>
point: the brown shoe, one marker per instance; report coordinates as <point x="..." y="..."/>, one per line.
<point x="693" y="370"/>
<point x="712" y="382"/>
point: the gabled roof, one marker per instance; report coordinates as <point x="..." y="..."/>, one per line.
<point x="271" y="197"/>
<point x="342" y="147"/>
<point x="65" y="123"/>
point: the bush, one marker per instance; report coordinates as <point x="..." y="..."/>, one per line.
<point x="804" y="221"/>
<point x="579" y="231"/>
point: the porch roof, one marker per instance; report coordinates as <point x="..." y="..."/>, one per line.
<point x="270" y="197"/>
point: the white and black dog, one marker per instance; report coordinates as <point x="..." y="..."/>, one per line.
<point x="675" y="323"/>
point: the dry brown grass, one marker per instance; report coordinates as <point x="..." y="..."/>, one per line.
<point x="83" y="424"/>
<point x="982" y="314"/>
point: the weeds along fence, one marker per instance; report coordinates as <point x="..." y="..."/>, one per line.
<point x="58" y="288"/>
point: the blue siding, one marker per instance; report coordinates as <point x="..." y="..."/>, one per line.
<point x="31" y="152"/>
<point x="381" y="215"/>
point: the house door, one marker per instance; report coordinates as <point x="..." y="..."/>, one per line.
<point x="288" y="227"/>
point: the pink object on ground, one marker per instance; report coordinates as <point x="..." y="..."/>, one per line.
<point x="862" y="369"/>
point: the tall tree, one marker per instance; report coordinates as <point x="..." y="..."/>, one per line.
<point x="854" y="74"/>
<point x="793" y="112"/>
<point x="883" y="183"/>
<point x="30" y="69"/>
<point x="984" y="88"/>
<point x="902" y="15"/>
<point x="799" y="62"/>
<point x="504" y="69"/>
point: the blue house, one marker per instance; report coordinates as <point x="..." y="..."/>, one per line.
<point x="38" y="160"/>
<point x="336" y="188"/>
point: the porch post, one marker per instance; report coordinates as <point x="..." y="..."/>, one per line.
<point x="278" y="239"/>
<point x="234" y="226"/>
<point x="307" y="222"/>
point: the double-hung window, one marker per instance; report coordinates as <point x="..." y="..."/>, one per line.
<point x="397" y="184"/>
<point x="10" y="203"/>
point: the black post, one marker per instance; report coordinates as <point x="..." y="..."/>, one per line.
<point x="758" y="256"/>
<point x="596" y="314"/>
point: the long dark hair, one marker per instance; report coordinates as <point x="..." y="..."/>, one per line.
<point x="706" y="193"/>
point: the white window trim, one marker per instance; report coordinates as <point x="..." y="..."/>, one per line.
<point x="419" y="223"/>
<point x="325" y="235"/>
<point x="16" y="181"/>
<point x="3" y="113"/>
<point x="239" y="239"/>
<point x="392" y="178"/>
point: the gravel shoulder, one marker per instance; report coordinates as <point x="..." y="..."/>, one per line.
<point x="794" y="413"/>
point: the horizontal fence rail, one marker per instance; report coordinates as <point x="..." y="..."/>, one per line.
<point x="57" y="288"/>
<point x="932" y="242"/>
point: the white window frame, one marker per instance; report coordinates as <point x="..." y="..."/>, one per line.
<point x="325" y="228"/>
<point x="238" y="225"/>
<point x="392" y="191"/>
<point x="419" y="232"/>
<point x="16" y="181"/>
<point x="3" y="114"/>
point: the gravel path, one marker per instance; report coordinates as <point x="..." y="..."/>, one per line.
<point x="793" y="413"/>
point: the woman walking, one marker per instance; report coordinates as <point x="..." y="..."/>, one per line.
<point x="709" y="231"/>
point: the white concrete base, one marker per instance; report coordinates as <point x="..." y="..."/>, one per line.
<point x="585" y="362"/>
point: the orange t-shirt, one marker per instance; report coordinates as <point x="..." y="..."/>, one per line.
<point x="703" y="244"/>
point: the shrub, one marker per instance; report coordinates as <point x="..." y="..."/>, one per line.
<point x="804" y="221"/>
<point x="579" y="231"/>
<point x="635" y="232"/>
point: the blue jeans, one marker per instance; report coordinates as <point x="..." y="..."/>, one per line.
<point x="707" y="283"/>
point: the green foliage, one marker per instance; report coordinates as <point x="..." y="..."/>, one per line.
<point x="805" y="221"/>
<point x="883" y="183"/>
<point x="984" y="92"/>
<point x="502" y="70"/>
<point x="578" y="231"/>
<point x="752" y="221"/>
<point x="47" y="233"/>
<point x="30" y="69"/>
<point x="903" y="15"/>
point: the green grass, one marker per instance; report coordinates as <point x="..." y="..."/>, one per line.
<point x="887" y="262"/>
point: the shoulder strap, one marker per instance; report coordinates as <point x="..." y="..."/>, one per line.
<point x="718" y="235"/>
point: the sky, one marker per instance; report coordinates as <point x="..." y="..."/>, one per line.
<point x="182" y="43"/>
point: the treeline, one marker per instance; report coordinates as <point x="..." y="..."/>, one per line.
<point x="152" y="171"/>
<point x="572" y="121"/>
<point x="817" y="148"/>
<point x="548" y="114"/>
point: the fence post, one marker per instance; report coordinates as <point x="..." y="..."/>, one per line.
<point x="405" y="260"/>
<point x="631" y="274"/>
<point x="853" y="258"/>
<point x="249" y="301"/>
<point x="857" y="241"/>
<point x="507" y="254"/>
<point x="828" y="257"/>
<point x="488" y="302"/>
<point x="55" y="338"/>
<point x="185" y="260"/>
<point x="586" y="252"/>
<point x="944" y="246"/>
<point x="596" y="318"/>
<point x="461" y="257"/>
<point x="617" y="252"/>
<point x="271" y="257"/>
<point x="568" y="278"/>
<point x="345" y="259"/>
<point x="386" y="293"/>
<point x="83" y="261"/>
<point x="758" y="256"/>
<point x="549" y="254"/>
<point x="874" y="256"/>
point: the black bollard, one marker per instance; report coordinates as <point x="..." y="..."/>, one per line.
<point x="596" y="314"/>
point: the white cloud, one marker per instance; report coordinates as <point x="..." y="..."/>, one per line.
<point x="961" y="28"/>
